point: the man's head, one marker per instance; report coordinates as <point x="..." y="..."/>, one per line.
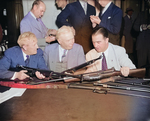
<point x="61" y="3"/>
<point x="100" y="39"/>
<point x="38" y="8"/>
<point x="28" y="42"/>
<point x="103" y="3"/>
<point x="129" y="11"/>
<point x="65" y="37"/>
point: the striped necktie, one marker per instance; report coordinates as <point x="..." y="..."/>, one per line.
<point x="63" y="56"/>
<point x="27" y="60"/>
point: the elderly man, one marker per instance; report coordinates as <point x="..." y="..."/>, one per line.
<point x="113" y="55"/>
<point x="77" y="15"/>
<point x="110" y="18"/>
<point x="66" y="54"/>
<point x="32" y="22"/>
<point x="26" y="54"/>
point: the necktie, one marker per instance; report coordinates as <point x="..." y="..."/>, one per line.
<point x="84" y="7"/>
<point x="42" y="25"/>
<point x="104" y="64"/>
<point x="64" y="55"/>
<point x="27" y="60"/>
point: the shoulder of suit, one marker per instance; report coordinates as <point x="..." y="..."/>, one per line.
<point x="51" y="46"/>
<point x="13" y="50"/>
<point x="26" y="17"/>
<point x="116" y="47"/>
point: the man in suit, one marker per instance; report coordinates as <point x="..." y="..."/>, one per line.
<point x="32" y="22"/>
<point x="77" y="15"/>
<point x="66" y="54"/>
<point x="18" y="55"/>
<point x="142" y="25"/>
<point x="113" y="55"/>
<point x="127" y="32"/>
<point x="110" y="18"/>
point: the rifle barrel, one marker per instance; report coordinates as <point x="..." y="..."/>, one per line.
<point x="122" y="87"/>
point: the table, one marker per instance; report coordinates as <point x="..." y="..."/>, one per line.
<point x="74" y="105"/>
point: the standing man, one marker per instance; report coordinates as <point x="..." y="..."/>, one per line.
<point x="66" y="54"/>
<point x="26" y="54"/>
<point x="127" y="32"/>
<point x="32" y="22"/>
<point x="110" y="18"/>
<point x="142" y="25"/>
<point x="77" y="15"/>
<point x="113" y="55"/>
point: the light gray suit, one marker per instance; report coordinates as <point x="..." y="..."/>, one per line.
<point x="29" y="23"/>
<point x="75" y="56"/>
<point x="117" y="58"/>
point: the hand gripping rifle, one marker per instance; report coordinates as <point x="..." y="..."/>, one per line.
<point x="47" y="73"/>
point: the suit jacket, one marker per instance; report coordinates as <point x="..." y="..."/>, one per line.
<point x="75" y="56"/>
<point x="117" y="58"/>
<point x="143" y="38"/>
<point x="127" y="34"/>
<point x="14" y="56"/>
<point x="28" y="23"/>
<point x="112" y="20"/>
<point x="74" y="15"/>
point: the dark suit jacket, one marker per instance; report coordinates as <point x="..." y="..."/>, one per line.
<point x="127" y="34"/>
<point x="112" y="20"/>
<point x="74" y="15"/>
<point x="14" y="56"/>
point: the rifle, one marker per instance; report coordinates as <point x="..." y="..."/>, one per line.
<point x="117" y="86"/>
<point x="97" y="89"/>
<point x="46" y="73"/>
<point x="94" y="76"/>
<point x="74" y="69"/>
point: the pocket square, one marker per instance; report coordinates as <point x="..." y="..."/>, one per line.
<point x="109" y="17"/>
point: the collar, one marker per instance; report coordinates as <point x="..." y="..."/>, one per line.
<point x="106" y="7"/>
<point x="106" y="51"/>
<point x="61" y="52"/>
<point x="24" y="55"/>
<point x="32" y="15"/>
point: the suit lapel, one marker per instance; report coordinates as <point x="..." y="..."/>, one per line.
<point x="107" y="12"/>
<point x="19" y="57"/>
<point x="36" y="24"/>
<point x="79" y="9"/>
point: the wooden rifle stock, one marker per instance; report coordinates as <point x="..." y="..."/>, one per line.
<point x="137" y="73"/>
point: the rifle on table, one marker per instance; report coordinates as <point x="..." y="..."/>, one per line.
<point x="103" y="90"/>
<point x="94" y="76"/>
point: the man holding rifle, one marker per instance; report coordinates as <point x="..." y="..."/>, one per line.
<point x="26" y="54"/>
<point x="113" y="55"/>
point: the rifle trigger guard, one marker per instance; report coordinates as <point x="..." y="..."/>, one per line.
<point x="100" y="91"/>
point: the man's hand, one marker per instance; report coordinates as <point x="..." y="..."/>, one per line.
<point x="49" y="39"/>
<point x="125" y="71"/>
<point x="21" y="75"/>
<point x="95" y="20"/>
<point x="51" y="31"/>
<point x="39" y="75"/>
